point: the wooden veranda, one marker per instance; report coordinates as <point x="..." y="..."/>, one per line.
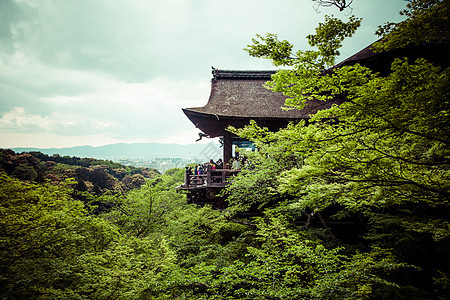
<point x="205" y="188"/>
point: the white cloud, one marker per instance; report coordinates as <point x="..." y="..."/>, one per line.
<point x="116" y="110"/>
<point x="93" y="72"/>
<point x="18" y="120"/>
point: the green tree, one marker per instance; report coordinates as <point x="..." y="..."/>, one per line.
<point x="381" y="156"/>
<point x="143" y="210"/>
<point x="51" y="248"/>
<point x="427" y="21"/>
<point x="25" y="172"/>
<point x="276" y="261"/>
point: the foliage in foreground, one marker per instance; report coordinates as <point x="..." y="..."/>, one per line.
<point x="51" y="248"/>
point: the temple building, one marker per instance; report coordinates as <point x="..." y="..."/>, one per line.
<point x="236" y="98"/>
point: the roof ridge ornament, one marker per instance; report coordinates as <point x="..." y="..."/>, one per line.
<point x="215" y="73"/>
<point x="244" y="74"/>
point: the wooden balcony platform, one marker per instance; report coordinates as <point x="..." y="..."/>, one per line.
<point x="205" y="188"/>
<point x="214" y="178"/>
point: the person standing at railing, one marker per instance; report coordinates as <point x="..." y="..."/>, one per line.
<point x="219" y="164"/>
<point x="213" y="165"/>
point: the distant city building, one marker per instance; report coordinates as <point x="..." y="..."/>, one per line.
<point x="161" y="164"/>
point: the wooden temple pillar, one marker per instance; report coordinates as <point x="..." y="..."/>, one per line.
<point x="227" y="149"/>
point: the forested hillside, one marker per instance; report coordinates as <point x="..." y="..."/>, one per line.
<point x="84" y="174"/>
<point x="351" y="205"/>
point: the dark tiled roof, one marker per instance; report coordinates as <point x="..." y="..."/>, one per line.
<point x="434" y="52"/>
<point x="363" y="55"/>
<point x="242" y="94"/>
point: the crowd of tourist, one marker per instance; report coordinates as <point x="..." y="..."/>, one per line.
<point x="217" y="169"/>
<point x="202" y="168"/>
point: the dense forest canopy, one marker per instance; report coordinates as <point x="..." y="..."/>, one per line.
<point x="352" y="204"/>
<point x="91" y="175"/>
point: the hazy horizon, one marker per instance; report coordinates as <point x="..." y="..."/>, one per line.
<point x="147" y="151"/>
<point x="204" y="142"/>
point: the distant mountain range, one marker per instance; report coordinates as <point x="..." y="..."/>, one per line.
<point x="136" y="150"/>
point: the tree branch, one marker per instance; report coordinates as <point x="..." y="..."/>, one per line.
<point x="326" y="227"/>
<point x="340" y="4"/>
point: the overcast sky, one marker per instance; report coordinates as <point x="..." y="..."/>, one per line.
<point x="96" y="72"/>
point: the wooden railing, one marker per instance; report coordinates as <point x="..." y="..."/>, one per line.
<point x="212" y="178"/>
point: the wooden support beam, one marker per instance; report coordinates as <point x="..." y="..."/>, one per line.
<point x="186" y="177"/>
<point x="227" y="149"/>
<point x="208" y="175"/>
